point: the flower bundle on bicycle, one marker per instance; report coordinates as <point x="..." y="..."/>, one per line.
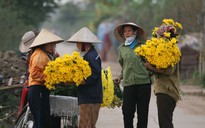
<point x="69" y="68"/>
<point x="162" y="52"/>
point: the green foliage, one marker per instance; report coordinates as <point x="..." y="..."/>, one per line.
<point x="149" y="14"/>
<point x="19" y="16"/>
<point x="117" y="91"/>
<point x="118" y="96"/>
<point x="65" y="90"/>
<point x="9" y="101"/>
<point x="68" y="14"/>
<point x="33" y="12"/>
<point x="146" y="13"/>
<point x="67" y="19"/>
<point x="108" y="8"/>
<point x="199" y="80"/>
<point x="10" y="28"/>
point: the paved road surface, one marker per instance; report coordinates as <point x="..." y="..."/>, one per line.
<point x="112" y="118"/>
<point x="189" y="113"/>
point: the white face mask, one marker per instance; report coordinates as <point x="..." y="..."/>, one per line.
<point x="129" y="40"/>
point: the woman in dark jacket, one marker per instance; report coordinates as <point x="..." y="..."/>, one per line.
<point x="89" y="93"/>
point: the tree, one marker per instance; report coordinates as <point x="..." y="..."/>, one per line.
<point x="19" y="16"/>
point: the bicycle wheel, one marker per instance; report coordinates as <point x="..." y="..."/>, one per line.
<point x="69" y="121"/>
<point x="25" y="119"/>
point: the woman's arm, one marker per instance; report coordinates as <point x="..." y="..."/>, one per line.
<point x="120" y="77"/>
<point x="152" y="68"/>
<point x="37" y="66"/>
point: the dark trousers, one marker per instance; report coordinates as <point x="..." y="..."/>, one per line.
<point x="136" y="96"/>
<point x="165" y="105"/>
<point x="38" y="98"/>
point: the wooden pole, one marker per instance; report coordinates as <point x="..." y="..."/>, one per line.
<point x="203" y="36"/>
<point x="11" y="87"/>
<point x="203" y="40"/>
<point x="202" y="46"/>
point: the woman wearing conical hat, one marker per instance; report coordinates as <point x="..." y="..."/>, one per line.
<point x="136" y="80"/>
<point x="166" y="83"/>
<point x="24" y="46"/>
<point x="90" y="92"/>
<point x="43" y="51"/>
<point x="26" y="41"/>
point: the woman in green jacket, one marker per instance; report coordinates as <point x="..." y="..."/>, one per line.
<point x="136" y="80"/>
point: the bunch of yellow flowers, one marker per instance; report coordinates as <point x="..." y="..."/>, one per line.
<point x="108" y="87"/>
<point x="161" y="52"/>
<point x="69" y="68"/>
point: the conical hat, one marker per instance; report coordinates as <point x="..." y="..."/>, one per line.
<point x="45" y="37"/>
<point x="26" y="41"/>
<point x="84" y="35"/>
<point x="118" y="32"/>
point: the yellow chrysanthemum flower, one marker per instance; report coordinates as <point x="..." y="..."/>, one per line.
<point x="178" y="25"/>
<point x="155" y="31"/>
<point x="168" y="21"/>
<point x="167" y="34"/>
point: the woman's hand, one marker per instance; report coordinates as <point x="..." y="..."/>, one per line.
<point x="117" y="80"/>
<point x="153" y="69"/>
<point x="148" y="65"/>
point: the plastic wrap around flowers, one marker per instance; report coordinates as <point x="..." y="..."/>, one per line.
<point x="162" y="52"/>
<point x="69" y="68"/>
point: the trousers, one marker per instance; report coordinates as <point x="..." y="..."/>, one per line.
<point x="136" y="97"/>
<point x="88" y="115"/>
<point x="165" y="106"/>
<point x="38" y="98"/>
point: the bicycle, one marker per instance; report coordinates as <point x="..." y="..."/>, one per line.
<point x="67" y="110"/>
<point x="24" y="119"/>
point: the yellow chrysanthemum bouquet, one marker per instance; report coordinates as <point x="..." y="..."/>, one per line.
<point x="162" y="52"/>
<point x="111" y="94"/>
<point x="108" y="87"/>
<point x="69" y="68"/>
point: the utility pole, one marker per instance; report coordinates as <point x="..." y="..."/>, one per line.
<point x="202" y="43"/>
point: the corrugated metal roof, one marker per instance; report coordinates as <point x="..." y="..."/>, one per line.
<point x="192" y="40"/>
